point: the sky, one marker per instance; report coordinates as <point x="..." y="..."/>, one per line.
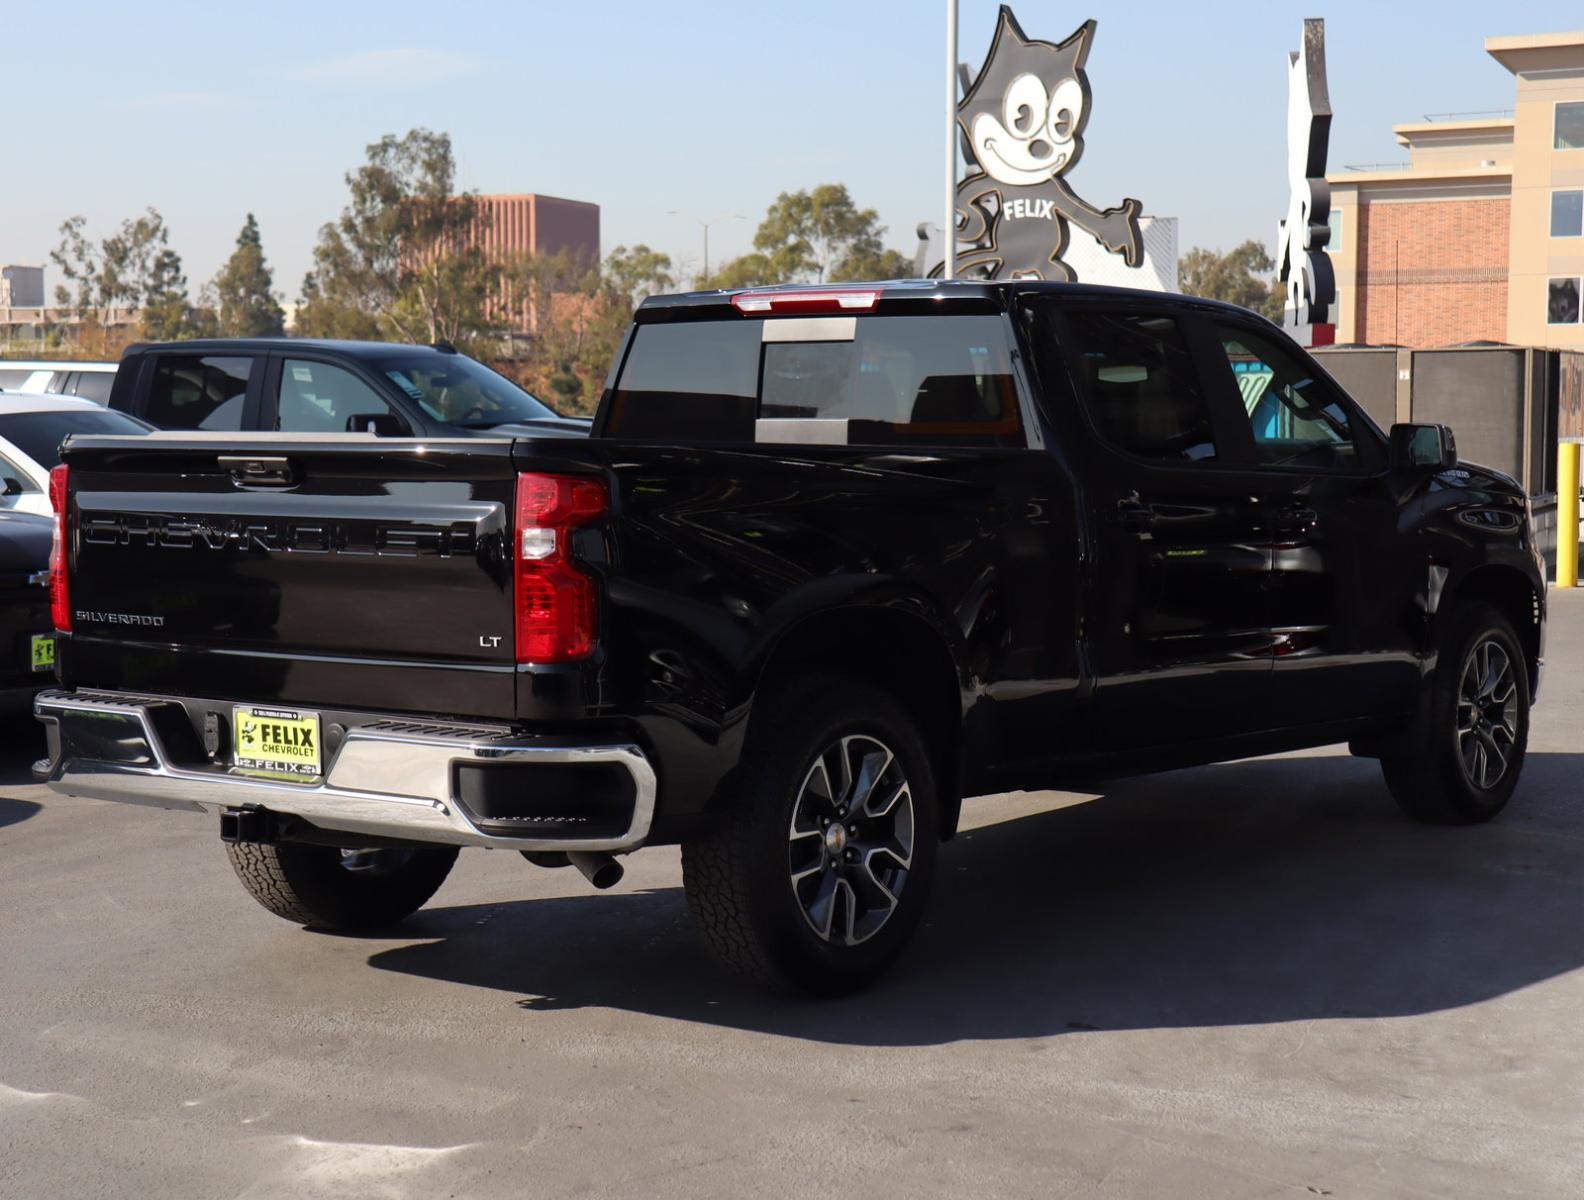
<point x="209" y="111"/>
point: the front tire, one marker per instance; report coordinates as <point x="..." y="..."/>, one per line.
<point x="817" y="872"/>
<point x="323" y="887"/>
<point x="1459" y="763"/>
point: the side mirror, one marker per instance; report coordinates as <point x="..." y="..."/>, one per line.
<point x="1422" y="448"/>
<point x="13" y="487"/>
<point x="379" y="424"/>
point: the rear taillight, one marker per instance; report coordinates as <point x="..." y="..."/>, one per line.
<point x="557" y="601"/>
<point x="59" y="582"/>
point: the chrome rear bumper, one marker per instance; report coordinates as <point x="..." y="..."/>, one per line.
<point x="389" y="778"/>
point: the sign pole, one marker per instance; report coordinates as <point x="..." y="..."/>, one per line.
<point x="949" y="218"/>
<point x="1567" y="549"/>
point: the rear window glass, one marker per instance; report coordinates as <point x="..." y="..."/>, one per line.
<point x="39" y="434"/>
<point x="190" y="392"/>
<point x="95" y="386"/>
<point x="869" y="380"/>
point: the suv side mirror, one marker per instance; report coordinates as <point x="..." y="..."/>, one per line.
<point x="379" y="424"/>
<point x="1422" y="447"/>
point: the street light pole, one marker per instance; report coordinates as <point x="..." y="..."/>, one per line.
<point x="949" y="221"/>
<point x="705" y="225"/>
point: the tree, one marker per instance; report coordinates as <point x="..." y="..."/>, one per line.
<point x="166" y="313"/>
<point x="814" y="236"/>
<point x="247" y="305"/>
<point x="748" y="270"/>
<point x="872" y="264"/>
<point x="133" y="268"/>
<point x="632" y="275"/>
<point x="405" y="256"/>
<point x="1240" y="276"/>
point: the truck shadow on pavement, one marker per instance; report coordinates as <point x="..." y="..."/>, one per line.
<point x="20" y="743"/>
<point x="1263" y="891"/>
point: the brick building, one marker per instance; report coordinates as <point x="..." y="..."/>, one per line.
<point x="1480" y="235"/>
<point x="530" y="224"/>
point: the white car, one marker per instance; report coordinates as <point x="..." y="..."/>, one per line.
<point x="90" y="380"/>
<point x="32" y="429"/>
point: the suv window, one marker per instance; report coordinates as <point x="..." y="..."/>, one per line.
<point x="1295" y="417"/>
<point x="320" y="397"/>
<point x="193" y="392"/>
<point x="95" y="386"/>
<point x="1137" y="381"/>
<point x="887" y="380"/>
<point x="9" y="471"/>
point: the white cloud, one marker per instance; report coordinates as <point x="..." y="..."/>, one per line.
<point x="398" y="65"/>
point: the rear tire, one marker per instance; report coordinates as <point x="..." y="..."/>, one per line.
<point x="818" y="867"/>
<point x="1460" y="762"/>
<point x="323" y="887"/>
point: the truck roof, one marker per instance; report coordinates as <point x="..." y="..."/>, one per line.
<point x="908" y="293"/>
<point x="260" y="345"/>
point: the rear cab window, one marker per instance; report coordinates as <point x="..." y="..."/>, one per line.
<point x="1136" y="382"/>
<point x="859" y="380"/>
<point x="198" y="391"/>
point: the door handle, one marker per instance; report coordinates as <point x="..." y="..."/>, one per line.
<point x="1133" y="514"/>
<point x="258" y="471"/>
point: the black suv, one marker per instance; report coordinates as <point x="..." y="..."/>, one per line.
<point x="305" y="385"/>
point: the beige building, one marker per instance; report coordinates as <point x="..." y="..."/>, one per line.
<point x="1480" y="235"/>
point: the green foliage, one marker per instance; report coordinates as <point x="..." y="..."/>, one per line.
<point x="404" y="259"/>
<point x="632" y="275"/>
<point x="813" y="236"/>
<point x="1240" y="276"/>
<point x="872" y="264"/>
<point x="247" y="305"/>
<point x="134" y="267"/>
<point x="166" y="313"/>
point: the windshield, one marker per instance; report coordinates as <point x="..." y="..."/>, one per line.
<point x="39" y="434"/>
<point x="455" y="389"/>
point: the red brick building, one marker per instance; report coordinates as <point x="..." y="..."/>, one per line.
<point x="530" y="224"/>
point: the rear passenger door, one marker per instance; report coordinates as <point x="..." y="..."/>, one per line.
<point x="1175" y="618"/>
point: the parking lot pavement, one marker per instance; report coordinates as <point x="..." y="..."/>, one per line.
<point x="1245" y="980"/>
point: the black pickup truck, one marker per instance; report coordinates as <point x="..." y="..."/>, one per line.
<point x="832" y="560"/>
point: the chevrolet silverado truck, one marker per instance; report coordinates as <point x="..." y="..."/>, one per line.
<point x="831" y="560"/>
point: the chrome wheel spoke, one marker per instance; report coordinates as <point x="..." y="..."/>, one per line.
<point x="1487" y="714"/>
<point x="850" y="840"/>
<point x="871" y="767"/>
<point x="821" y="911"/>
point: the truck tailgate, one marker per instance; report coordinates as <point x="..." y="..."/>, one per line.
<point x="354" y="571"/>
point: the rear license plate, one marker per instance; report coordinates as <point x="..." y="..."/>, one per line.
<point x="43" y="651"/>
<point x="276" y="741"/>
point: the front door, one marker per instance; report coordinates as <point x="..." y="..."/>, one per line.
<point x="1342" y="586"/>
<point x="1175" y="619"/>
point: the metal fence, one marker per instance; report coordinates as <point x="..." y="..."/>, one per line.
<point x="1502" y="403"/>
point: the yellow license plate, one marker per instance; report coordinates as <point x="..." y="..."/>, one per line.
<point x="276" y="741"/>
<point x="43" y="651"/>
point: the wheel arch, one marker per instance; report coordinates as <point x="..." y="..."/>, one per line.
<point x="1512" y="594"/>
<point x="898" y="649"/>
